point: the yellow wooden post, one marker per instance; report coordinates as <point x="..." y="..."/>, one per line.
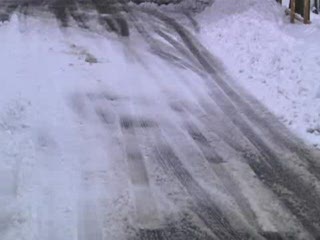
<point x="306" y="14"/>
<point x="293" y="10"/>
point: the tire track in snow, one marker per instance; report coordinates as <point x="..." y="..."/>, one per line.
<point x="222" y="172"/>
<point x="268" y="167"/>
<point x="146" y="218"/>
<point x="217" y="164"/>
<point x="181" y="229"/>
<point x="146" y="208"/>
<point x="203" y="206"/>
<point x="93" y="198"/>
<point x="90" y="219"/>
<point x="215" y="122"/>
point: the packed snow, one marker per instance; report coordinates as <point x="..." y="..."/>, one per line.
<point x="51" y="136"/>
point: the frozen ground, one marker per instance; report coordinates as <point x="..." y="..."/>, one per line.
<point x="151" y="137"/>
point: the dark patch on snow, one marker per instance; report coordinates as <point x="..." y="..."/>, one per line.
<point x="106" y="116"/>
<point x="177" y="107"/>
<point x="136" y="122"/>
<point x="103" y="96"/>
<point x="126" y="122"/>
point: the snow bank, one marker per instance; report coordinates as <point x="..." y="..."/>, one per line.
<point x="277" y="62"/>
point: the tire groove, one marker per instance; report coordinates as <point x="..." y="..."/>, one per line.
<point x="210" y="214"/>
<point x="304" y="195"/>
<point x="224" y="176"/>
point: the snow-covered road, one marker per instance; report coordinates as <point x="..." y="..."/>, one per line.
<point x="108" y="138"/>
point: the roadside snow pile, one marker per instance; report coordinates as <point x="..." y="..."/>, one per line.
<point x="180" y="6"/>
<point x="277" y="62"/>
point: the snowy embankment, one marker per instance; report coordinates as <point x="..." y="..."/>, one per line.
<point x="277" y="62"/>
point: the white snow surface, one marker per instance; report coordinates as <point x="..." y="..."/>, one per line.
<point x="58" y="160"/>
<point x="48" y="154"/>
<point x="278" y="62"/>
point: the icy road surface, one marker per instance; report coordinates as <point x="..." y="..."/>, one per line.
<point x="108" y="138"/>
